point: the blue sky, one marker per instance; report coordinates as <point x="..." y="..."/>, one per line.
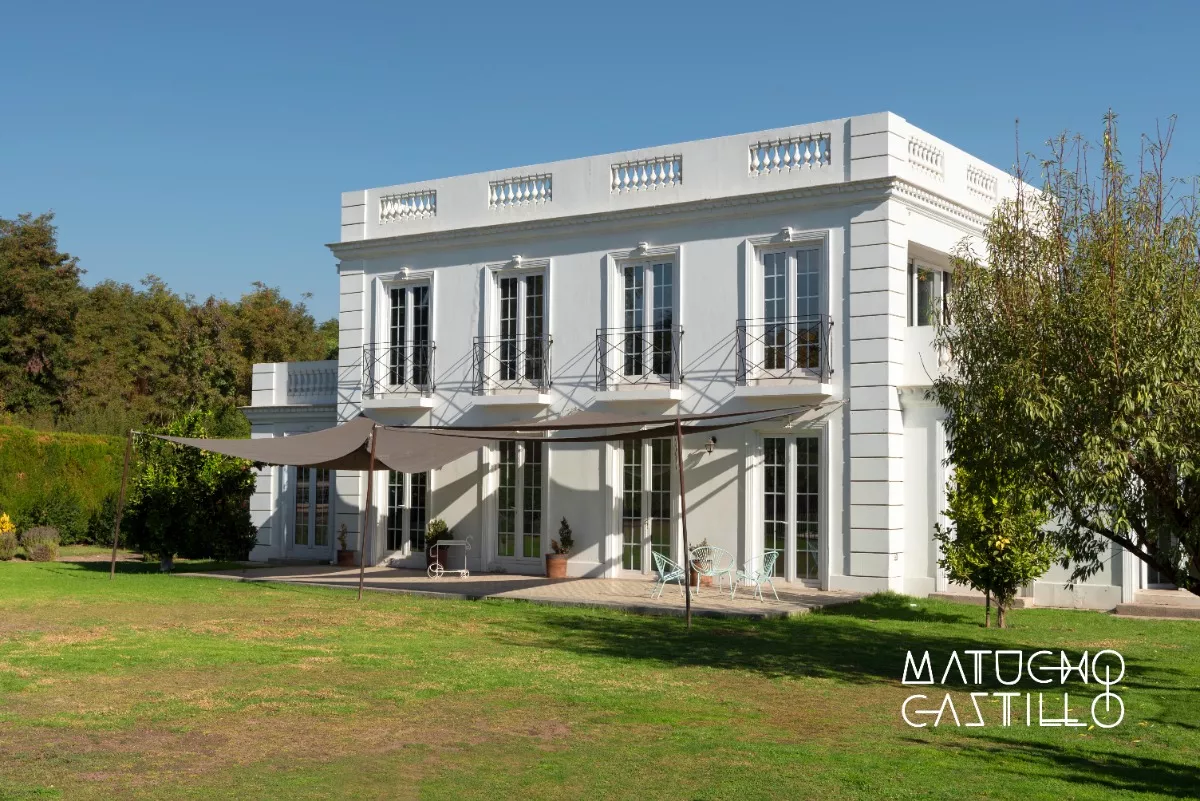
<point x="208" y="142"/>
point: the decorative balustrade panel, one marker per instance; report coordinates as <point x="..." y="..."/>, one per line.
<point x="981" y="183"/>
<point x="638" y="356"/>
<point x="630" y="176"/>
<point x="408" y="206"/>
<point x="511" y="364"/>
<point x="398" y="369"/>
<point x="519" y="191"/>
<point x="794" y="153"/>
<point x="789" y="347"/>
<point x="926" y="159"/>
<point x="308" y="383"/>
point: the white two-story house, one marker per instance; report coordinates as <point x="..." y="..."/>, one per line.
<point x="784" y="267"/>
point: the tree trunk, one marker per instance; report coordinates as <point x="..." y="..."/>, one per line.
<point x="166" y="563"/>
<point x="1000" y="621"/>
<point x="987" y="609"/>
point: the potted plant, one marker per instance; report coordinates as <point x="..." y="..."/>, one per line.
<point x="434" y="532"/>
<point x="700" y="566"/>
<point x="345" y="556"/>
<point x="556" y="563"/>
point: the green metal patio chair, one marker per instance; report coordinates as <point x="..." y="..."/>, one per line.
<point x="708" y="560"/>
<point x="757" y="577"/>
<point x="665" y="570"/>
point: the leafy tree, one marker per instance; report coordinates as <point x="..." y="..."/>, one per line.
<point x="39" y="297"/>
<point x="996" y="543"/>
<point x="1075" y="340"/>
<point x="187" y="502"/>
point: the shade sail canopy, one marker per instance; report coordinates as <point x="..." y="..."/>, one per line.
<point x="411" y="449"/>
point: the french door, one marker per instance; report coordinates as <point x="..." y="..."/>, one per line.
<point x="648" y="305"/>
<point x="409" y="344"/>
<point x="407" y="514"/>
<point x="312" y="517"/>
<point x="791" y="505"/>
<point x="791" y="310"/>
<point x="646" y="493"/>
<point x="522" y="319"/>
<point x="519" y="499"/>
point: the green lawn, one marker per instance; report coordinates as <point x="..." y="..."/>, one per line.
<point x="156" y="686"/>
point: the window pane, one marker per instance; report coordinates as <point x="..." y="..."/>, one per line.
<point x="321" y="536"/>
<point x="929" y="291"/>
<point x="420" y="336"/>
<point x="635" y="310"/>
<point x="531" y="501"/>
<point x="508" y="328"/>
<point x="396" y="361"/>
<point x="303" y="489"/>
<point x="663" y="319"/>
<point x="774" y="310"/>
<point x="395" y="511"/>
<point x="774" y="501"/>
<point x="535" y="325"/>
<point x="807" y="507"/>
<point x="631" y="506"/>
<point x="418" y="511"/>
<point x="506" y="505"/>
<point x="660" y="496"/>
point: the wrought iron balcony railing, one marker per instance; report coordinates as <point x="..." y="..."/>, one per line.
<point x="398" y="369"/>
<point x="789" y="347"/>
<point x="639" y="356"/>
<point x="511" y="364"/>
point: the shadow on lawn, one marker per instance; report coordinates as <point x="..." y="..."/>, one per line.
<point x="128" y="567"/>
<point x="859" y="642"/>
<point x="1109" y="770"/>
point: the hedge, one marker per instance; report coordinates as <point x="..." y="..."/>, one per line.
<point x="68" y="481"/>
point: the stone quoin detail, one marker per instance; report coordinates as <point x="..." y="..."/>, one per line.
<point x="408" y="206"/>
<point x="630" y="176"/>
<point x="520" y="190"/>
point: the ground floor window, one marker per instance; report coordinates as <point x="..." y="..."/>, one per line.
<point x="791" y="503"/>
<point x="645" y="501"/>
<point x="407" y="511"/>
<point x="519" y="499"/>
<point x="311" y="509"/>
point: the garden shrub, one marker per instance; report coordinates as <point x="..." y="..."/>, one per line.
<point x="8" y="538"/>
<point x="40" y="544"/>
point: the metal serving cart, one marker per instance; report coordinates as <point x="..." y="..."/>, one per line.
<point x="448" y="556"/>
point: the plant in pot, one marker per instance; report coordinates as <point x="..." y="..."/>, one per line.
<point x="345" y="556"/>
<point x="701" y="565"/>
<point x="436" y="531"/>
<point x="556" y="563"/>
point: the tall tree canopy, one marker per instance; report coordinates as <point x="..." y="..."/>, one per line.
<point x="1075" y="340"/>
<point x="111" y="357"/>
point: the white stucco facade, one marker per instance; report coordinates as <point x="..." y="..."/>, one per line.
<point x="781" y="267"/>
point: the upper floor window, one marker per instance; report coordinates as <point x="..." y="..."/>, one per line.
<point x="928" y="291"/>
<point x="410" y="346"/>
<point x="648" y="317"/>
<point x="514" y="353"/>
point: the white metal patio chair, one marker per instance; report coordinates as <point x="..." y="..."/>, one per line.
<point x="708" y="560"/>
<point x="757" y="576"/>
<point x="665" y="570"/>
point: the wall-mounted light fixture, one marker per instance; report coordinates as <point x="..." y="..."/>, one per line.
<point x="712" y="443"/>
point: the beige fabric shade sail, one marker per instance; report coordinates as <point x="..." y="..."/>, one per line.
<point x="415" y="449"/>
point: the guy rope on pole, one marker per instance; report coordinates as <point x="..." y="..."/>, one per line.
<point x="112" y="570"/>
<point x="366" y="539"/>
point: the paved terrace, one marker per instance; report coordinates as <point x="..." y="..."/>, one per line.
<point x="629" y="595"/>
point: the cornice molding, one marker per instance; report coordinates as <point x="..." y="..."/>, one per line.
<point x="848" y="193"/>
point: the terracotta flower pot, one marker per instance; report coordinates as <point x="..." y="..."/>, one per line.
<point x="699" y="580"/>
<point x="556" y="565"/>
<point x="346" y="558"/>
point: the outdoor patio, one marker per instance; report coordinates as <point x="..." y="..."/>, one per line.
<point x="630" y="595"/>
